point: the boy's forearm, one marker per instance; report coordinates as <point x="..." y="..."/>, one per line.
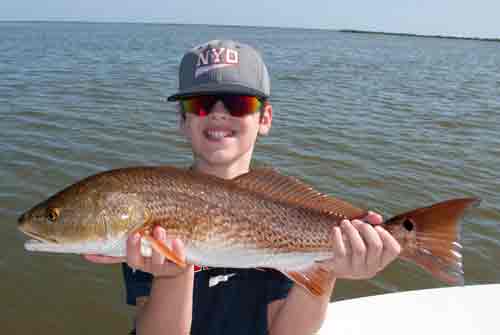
<point x="169" y="307"/>
<point x="301" y="312"/>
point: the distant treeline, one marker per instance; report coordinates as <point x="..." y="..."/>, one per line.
<point x="416" y="35"/>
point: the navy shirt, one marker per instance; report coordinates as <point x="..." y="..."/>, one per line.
<point x="225" y="300"/>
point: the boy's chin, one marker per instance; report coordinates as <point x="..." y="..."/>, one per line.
<point x="222" y="158"/>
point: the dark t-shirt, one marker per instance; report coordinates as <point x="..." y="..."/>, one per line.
<point x="225" y="300"/>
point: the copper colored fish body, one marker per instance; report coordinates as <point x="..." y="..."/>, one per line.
<point x="261" y="219"/>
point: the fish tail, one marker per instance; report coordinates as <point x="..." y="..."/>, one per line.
<point x="430" y="238"/>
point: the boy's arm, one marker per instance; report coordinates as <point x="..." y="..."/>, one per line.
<point x="372" y="250"/>
<point x="299" y="313"/>
<point x="168" y="309"/>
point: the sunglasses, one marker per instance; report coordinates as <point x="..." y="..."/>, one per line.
<point x="237" y="105"/>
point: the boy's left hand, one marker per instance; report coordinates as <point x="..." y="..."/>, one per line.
<point x="362" y="248"/>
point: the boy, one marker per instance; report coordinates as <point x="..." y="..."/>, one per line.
<point x="223" y="92"/>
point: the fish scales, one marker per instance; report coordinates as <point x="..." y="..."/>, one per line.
<point x="200" y="209"/>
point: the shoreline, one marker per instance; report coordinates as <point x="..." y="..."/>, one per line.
<point x="351" y="31"/>
<point x="354" y="31"/>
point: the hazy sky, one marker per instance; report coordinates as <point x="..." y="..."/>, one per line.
<point x="473" y="18"/>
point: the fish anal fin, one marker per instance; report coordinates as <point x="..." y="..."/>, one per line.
<point x="165" y="251"/>
<point x="269" y="183"/>
<point x="316" y="279"/>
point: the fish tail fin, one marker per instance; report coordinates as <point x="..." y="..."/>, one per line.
<point x="430" y="236"/>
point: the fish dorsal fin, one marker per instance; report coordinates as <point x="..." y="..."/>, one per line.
<point x="271" y="184"/>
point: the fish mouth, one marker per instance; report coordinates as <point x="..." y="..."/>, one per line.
<point x="37" y="238"/>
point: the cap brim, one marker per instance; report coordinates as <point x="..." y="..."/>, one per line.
<point x="215" y="88"/>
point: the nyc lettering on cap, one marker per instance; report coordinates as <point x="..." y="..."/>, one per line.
<point x="222" y="67"/>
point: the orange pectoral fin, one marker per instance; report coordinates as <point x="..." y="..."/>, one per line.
<point x="165" y="251"/>
<point x="315" y="279"/>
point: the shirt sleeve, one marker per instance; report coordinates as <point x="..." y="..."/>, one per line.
<point x="137" y="284"/>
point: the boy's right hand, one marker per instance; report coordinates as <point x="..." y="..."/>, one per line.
<point x="157" y="265"/>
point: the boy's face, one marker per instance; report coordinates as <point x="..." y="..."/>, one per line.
<point x="222" y="140"/>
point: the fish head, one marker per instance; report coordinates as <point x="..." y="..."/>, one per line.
<point x="81" y="218"/>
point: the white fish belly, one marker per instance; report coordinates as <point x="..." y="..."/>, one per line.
<point x="236" y="257"/>
<point x="115" y="247"/>
<point x="199" y="254"/>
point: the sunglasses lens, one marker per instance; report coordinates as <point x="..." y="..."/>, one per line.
<point x="241" y="105"/>
<point x="199" y="105"/>
<point x="237" y="105"/>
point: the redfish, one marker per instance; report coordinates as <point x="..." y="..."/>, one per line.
<point x="261" y="219"/>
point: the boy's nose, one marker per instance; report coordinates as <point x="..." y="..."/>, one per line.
<point x="219" y="110"/>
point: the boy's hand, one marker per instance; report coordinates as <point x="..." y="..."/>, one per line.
<point x="371" y="248"/>
<point x="157" y="265"/>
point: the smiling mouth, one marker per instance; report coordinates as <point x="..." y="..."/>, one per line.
<point x="218" y="134"/>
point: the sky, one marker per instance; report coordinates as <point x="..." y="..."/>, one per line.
<point x="467" y="18"/>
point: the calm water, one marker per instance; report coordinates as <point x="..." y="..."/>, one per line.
<point x="387" y="122"/>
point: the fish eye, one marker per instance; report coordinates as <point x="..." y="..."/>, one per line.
<point x="53" y="214"/>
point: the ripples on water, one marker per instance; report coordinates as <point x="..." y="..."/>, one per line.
<point x="387" y="122"/>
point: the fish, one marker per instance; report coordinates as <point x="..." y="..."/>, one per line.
<point x="262" y="219"/>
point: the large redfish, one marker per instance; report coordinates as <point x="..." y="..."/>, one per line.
<point x="261" y="219"/>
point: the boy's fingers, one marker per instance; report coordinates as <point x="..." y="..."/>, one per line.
<point x="339" y="248"/>
<point x="104" y="259"/>
<point x="178" y="248"/>
<point x="391" y="247"/>
<point x="373" y="218"/>
<point x="357" y="245"/>
<point x="160" y="235"/>
<point x="134" y="257"/>
<point x="374" y="246"/>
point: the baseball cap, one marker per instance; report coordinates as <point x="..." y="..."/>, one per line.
<point x="222" y="67"/>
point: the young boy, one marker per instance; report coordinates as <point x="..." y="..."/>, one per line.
<point x="224" y="88"/>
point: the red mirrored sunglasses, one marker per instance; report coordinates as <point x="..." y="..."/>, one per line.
<point x="237" y="105"/>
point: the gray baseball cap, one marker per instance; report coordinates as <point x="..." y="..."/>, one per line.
<point x="222" y="67"/>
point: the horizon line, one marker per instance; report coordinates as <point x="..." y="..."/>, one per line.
<point x="341" y="30"/>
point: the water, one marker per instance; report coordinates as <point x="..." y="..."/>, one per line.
<point x="387" y="122"/>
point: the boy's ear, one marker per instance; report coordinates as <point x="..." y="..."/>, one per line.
<point x="184" y="127"/>
<point x="266" y="120"/>
<point x="182" y="124"/>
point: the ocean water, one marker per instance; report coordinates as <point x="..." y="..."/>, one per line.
<point x="389" y="123"/>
